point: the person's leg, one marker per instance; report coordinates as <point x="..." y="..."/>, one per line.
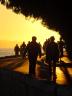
<point x="30" y="68"/>
<point x="54" y="71"/>
<point x="61" y="52"/>
<point x="33" y="69"/>
<point x="48" y="61"/>
<point x="32" y="65"/>
<point x="50" y="71"/>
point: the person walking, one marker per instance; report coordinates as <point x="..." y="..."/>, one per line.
<point x="33" y="49"/>
<point x="16" y="50"/>
<point x="52" y="56"/>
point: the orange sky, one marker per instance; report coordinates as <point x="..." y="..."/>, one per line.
<point x="16" y="28"/>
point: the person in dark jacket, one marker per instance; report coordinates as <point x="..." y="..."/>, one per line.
<point x="16" y="49"/>
<point x="52" y="56"/>
<point x="33" y="49"/>
<point x="61" y="45"/>
<point x="22" y="48"/>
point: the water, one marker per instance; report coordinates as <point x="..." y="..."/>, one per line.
<point x="6" y="52"/>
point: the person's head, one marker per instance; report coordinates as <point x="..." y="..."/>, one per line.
<point x="34" y="39"/>
<point x="23" y="42"/>
<point x="16" y="44"/>
<point x="52" y="38"/>
<point x="60" y="38"/>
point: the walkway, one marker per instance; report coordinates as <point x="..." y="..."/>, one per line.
<point x="39" y="86"/>
<point x="63" y="71"/>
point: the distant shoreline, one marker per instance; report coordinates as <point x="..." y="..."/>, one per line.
<point x="4" y="52"/>
<point x="8" y="56"/>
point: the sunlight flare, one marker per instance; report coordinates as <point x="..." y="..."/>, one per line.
<point x="14" y="27"/>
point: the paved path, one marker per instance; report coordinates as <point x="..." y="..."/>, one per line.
<point x="18" y="64"/>
<point x="63" y="76"/>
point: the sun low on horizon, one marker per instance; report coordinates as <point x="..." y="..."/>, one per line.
<point x="16" y="28"/>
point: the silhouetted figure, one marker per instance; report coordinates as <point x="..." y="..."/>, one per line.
<point x="52" y="56"/>
<point x="61" y="46"/>
<point x="22" y="48"/>
<point x="16" y="49"/>
<point x="41" y="47"/>
<point x="28" y="42"/>
<point x="44" y="45"/>
<point x="40" y="44"/>
<point x="33" y="49"/>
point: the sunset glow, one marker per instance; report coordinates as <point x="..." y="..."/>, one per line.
<point x="16" y="28"/>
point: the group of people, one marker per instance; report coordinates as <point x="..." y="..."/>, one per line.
<point x="19" y="50"/>
<point x="51" y="49"/>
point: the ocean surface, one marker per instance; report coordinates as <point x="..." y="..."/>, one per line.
<point x="6" y="52"/>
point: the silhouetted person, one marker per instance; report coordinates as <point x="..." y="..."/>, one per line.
<point x="52" y="56"/>
<point x="22" y="48"/>
<point x="28" y="42"/>
<point x="40" y="44"/>
<point x="61" y="46"/>
<point x="33" y="49"/>
<point x="41" y="47"/>
<point x="16" y="49"/>
<point x="44" y="45"/>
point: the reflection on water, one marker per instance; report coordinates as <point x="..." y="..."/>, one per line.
<point x="62" y="73"/>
